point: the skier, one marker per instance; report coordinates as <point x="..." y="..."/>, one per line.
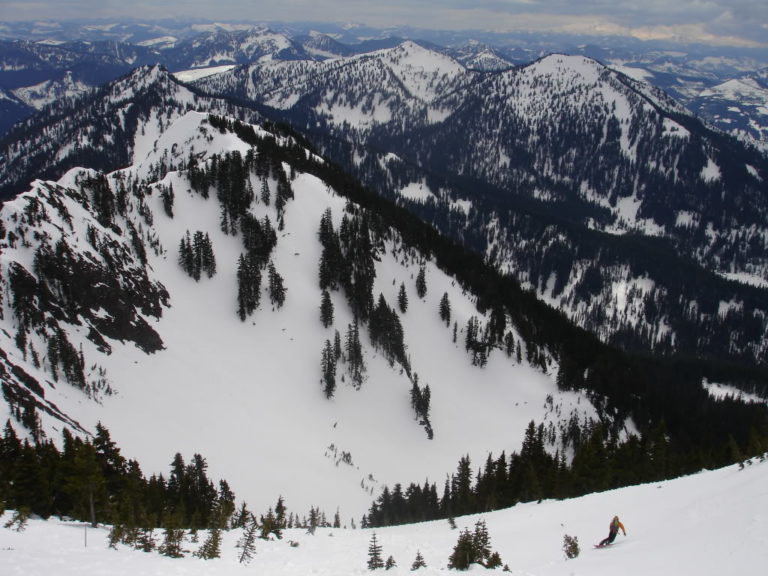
<point x="613" y="530"/>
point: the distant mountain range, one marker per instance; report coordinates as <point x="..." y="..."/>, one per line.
<point x="32" y="53"/>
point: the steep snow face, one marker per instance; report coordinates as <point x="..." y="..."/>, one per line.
<point x="708" y="524"/>
<point x="247" y="395"/>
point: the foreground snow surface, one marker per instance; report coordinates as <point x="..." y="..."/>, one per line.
<point x="709" y="523"/>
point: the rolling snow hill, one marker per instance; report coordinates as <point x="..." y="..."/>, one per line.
<point x="707" y="524"/>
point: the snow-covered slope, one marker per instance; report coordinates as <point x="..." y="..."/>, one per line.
<point x="45" y="93"/>
<point x="739" y="106"/>
<point x="708" y="524"/>
<point x="248" y="395"/>
<point x="398" y="86"/>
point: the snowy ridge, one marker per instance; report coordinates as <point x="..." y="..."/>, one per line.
<point x="704" y="525"/>
<point x="45" y="93"/>
<point x="359" y="91"/>
<point x="104" y="124"/>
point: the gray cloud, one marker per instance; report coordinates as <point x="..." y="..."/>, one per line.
<point x="712" y="21"/>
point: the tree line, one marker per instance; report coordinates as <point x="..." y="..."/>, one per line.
<point x="600" y="462"/>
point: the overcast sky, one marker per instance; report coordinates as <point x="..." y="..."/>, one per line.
<point x="733" y="22"/>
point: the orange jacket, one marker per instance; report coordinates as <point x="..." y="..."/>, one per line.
<point x="616" y="525"/>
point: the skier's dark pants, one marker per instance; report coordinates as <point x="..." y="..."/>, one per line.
<point x="611" y="538"/>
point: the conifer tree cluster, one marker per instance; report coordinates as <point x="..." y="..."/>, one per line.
<point x="328" y="365"/>
<point x="248" y="287"/>
<point x="445" y="309"/>
<point x="196" y="255"/>
<point x="354" y="355"/>
<point x="91" y="480"/>
<point x="232" y="176"/>
<point x="402" y="299"/>
<point x="347" y="260"/>
<point x="474" y="344"/>
<point x="474" y="548"/>
<point x="103" y="199"/>
<point x="259" y="239"/>
<point x="387" y="334"/>
<point x="276" y="287"/>
<point x="421" y="283"/>
<point x="600" y="462"/>
<point x="420" y="399"/>
<point x="326" y="310"/>
<point x="167" y="197"/>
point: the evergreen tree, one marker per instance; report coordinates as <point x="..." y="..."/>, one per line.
<point x="173" y="538"/>
<point x="571" y="546"/>
<point x="326" y="309"/>
<point x="84" y="482"/>
<point x="166" y="194"/>
<point x="208" y="258"/>
<point x="196" y="255"/>
<point x="248" y="287"/>
<point x="314" y="520"/>
<point x="463" y="552"/>
<point x="265" y="195"/>
<point x="247" y="542"/>
<point x="329" y="370"/>
<point x="241" y="517"/>
<point x="145" y="540"/>
<point x="337" y="345"/>
<point x="418" y="561"/>
<point x="18" y="521"/>
<point x="509" y="347"/>
<point x="186" y="257"/>
<point x="374" y="554"/>
<point x="354" y="352"/>
<point x="421" y="283"/>
<point x="276" y="287"/>
<point x="211" y="548"/>
<point x="225" y="503"/>
<point x="445" y="309"/>
<point x="268" y="525"/>
<point x="280" y="521"/>
<point x="402" y="299"/>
